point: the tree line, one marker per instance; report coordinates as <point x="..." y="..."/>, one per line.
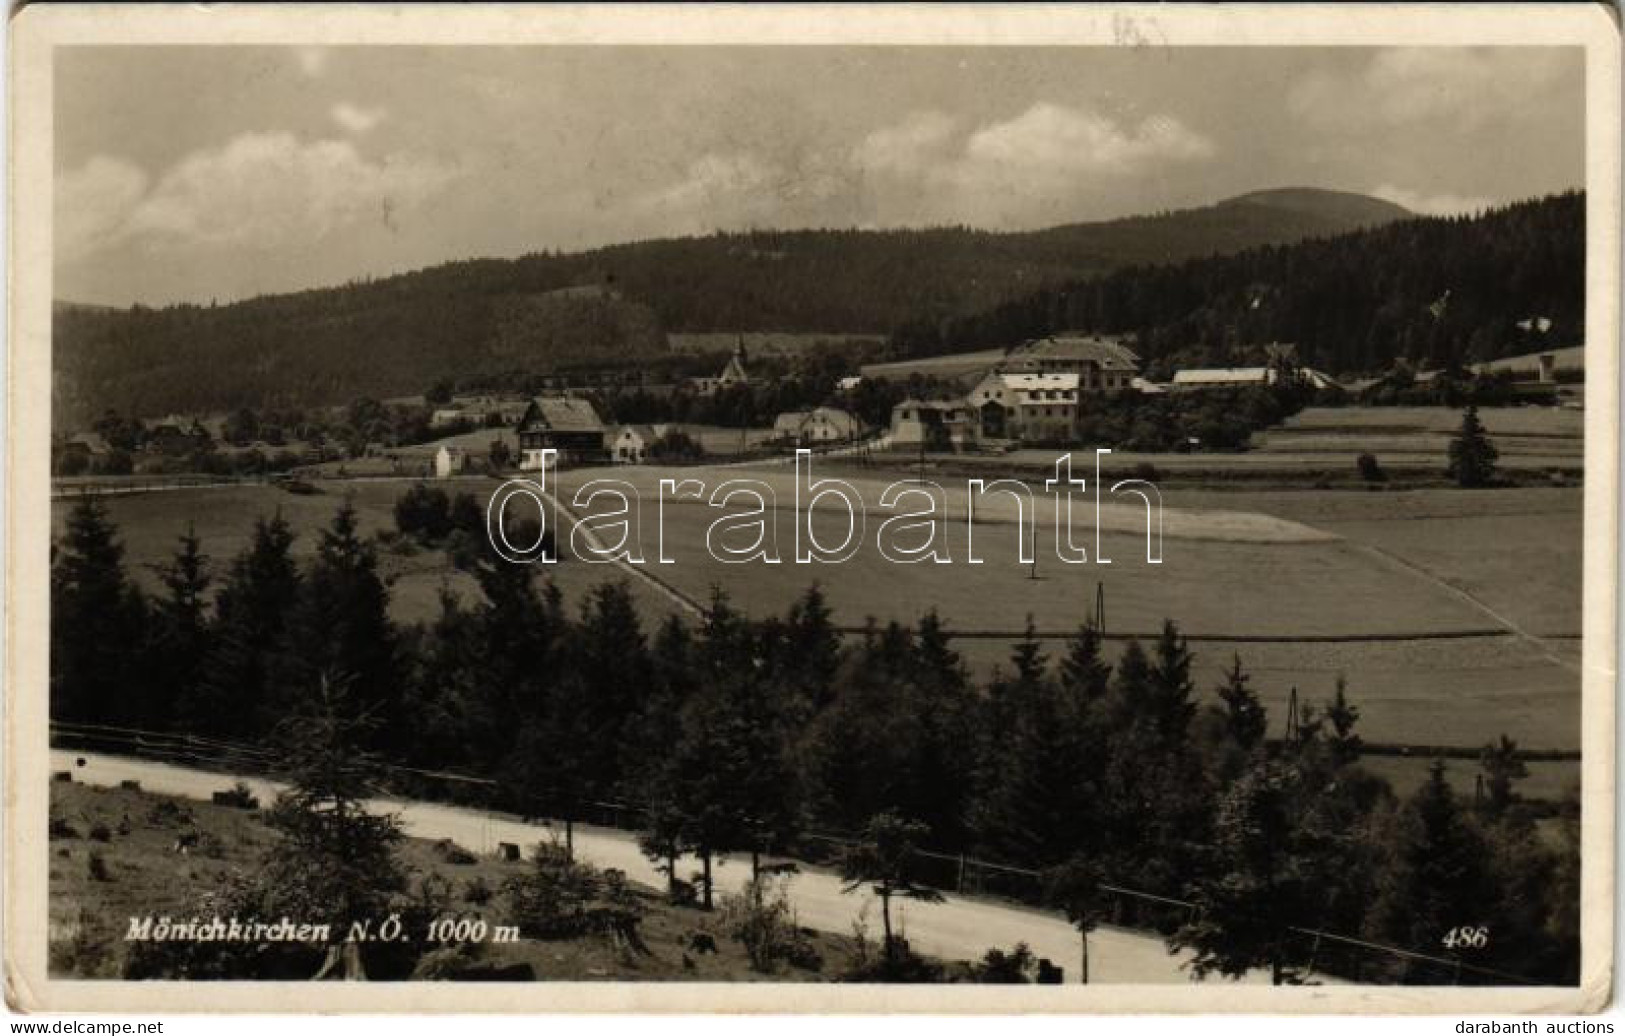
<point x="1436" y="292"/>
<point x="734" y="735"/>
<point x="551" y="310"/>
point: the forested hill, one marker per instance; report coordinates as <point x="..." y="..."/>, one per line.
<point x="396" y="335"/>
<point x="1435" y="292"/>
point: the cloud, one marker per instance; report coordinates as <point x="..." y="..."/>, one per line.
<point x="355" y="118"/>
<point x="1433" y="204"/>
<point x="1052" y="138"/>
<point x="915" y="144"/>
<point x="740" y="190"/>
<point x="92" y="205"/>
<point x="1463" y="87"/>
<point x="312" y="60"/>
<point x="1042" y="164"/>
<point x="259" y="190"/>
<point x="1043" y="143"/>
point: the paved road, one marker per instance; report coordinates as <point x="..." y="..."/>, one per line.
<point x="959" y="928"/>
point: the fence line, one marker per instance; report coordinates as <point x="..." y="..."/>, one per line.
<point x="1347" y="957"/>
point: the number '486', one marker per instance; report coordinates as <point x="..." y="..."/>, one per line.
<point x="1467" y="937"/>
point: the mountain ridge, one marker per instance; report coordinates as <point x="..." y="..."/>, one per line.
<point x="395" y="335"/>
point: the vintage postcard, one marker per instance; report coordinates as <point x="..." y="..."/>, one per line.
<point x="808" y="508"/>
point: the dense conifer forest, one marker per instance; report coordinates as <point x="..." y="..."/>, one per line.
<point x="611" y="307"/>
<point x="734" y="734"/>
<point x="1439" y="292"/>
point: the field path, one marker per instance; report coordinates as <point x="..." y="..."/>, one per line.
<point x="957" y="929"/>
<point x="1395" y="561"/>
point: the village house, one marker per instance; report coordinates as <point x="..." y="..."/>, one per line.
<point x="449" y="461"/>
<point x="1027" y="407"/>
<point x="630" y="443"/>
<point x="1101" y="364"/>
<point x="733" y="373"/>
<point x="563" y="423"/>
<point x="937" y="424"/>
<point x="823" y="425"/>
<point x="174" y="435"/>
<point x="446" y="416"/>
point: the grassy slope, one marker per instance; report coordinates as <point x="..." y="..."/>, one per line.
<point x="88" y="917"/>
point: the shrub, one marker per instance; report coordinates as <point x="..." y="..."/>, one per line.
<point x="476" y="892"/>
<point x="100" y="832"/>
<point x="62" y="829"/>
<point x="562" y="899"/>
<point x="169" y="813"/>
<point x="239" y="796"/>
<point x="452" y="853"/>
<point x="761" y="918"/>
<point x="98" y="868"/>
<point x="1009" y="969"/>
<point x="1370" y="470"/>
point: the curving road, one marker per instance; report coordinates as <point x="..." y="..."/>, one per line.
<point x="959" y="928"/>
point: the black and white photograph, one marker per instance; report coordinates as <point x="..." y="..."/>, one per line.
<point x="1098" y="501"/>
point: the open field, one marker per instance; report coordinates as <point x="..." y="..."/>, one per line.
<point x="1308" y="577"/>
<point x="1321" y="444"/>
<point x="149" y="524"/>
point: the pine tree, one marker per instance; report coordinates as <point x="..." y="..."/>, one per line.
<point x="97" y="617"/>
<point x="180" y="631"/>
<point x="885" y="860"/>
<point x="335" y="860"/>
<point x="1342" y="715"/>
<point x="1434" y="875"/>
<point x="1501" y="767"/>
<point x="340" y="624"/>
<point x="1245" y="717"/>
<point x="1472" y="454"/>
<point x="1083" y="671"/>
<point x="1262" y="879"/>
<point x="730" y="775"/>
<point x="1076" y="888"/>
<point x="235" y="694"/>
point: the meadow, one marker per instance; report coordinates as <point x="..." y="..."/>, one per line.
<point x="1453" y="615"/>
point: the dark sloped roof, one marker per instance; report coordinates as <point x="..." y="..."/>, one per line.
<point x="1104" y="351"/>
<point x="564" y="414"/>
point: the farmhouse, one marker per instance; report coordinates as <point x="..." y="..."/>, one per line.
<point x="822" y="425"/>
<point x="175" y="435"/>
<point x="563" y="423"/>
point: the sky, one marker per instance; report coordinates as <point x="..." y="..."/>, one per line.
<point x="218" y="173"/>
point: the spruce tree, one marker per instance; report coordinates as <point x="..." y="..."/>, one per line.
<point x="1501" y="766"/>
<point x="180" y="631"/>
<point x="340" y="624"/>
<point x="1472" y="454"/>
<point x="1245" y="717"/>
<point x="97" y="617"/>
<point x="235" y="694"/>
<point x="1261" y="881"/>
<point x="1433" y="877"/>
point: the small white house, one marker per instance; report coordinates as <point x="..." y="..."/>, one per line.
<point x="449" y="461"/>
<point x="629" y="443"/>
